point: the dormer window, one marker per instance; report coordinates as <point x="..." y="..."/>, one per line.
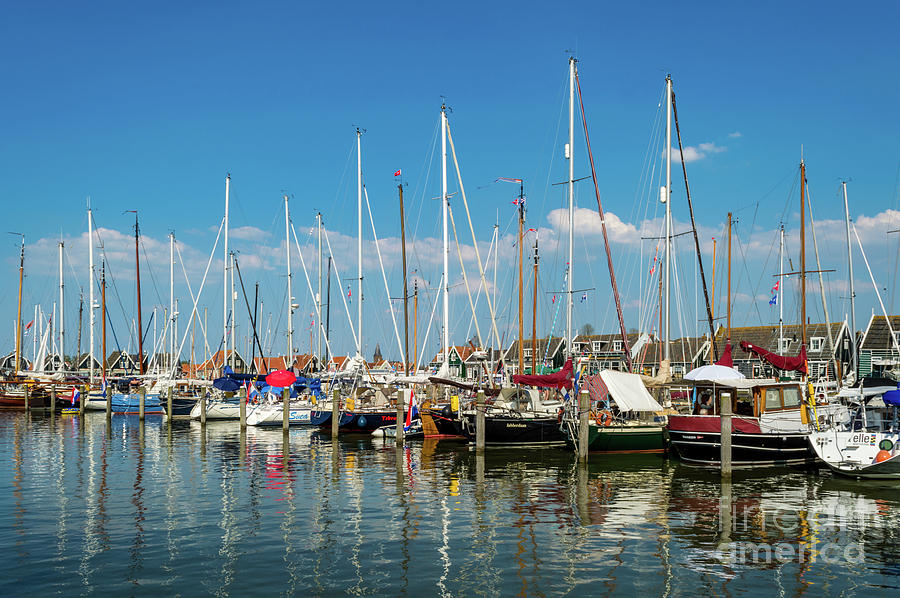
<point x="816" y="343"/>
<point x="785" y="345"/>
<point x="527" y="353"/>
<point x="595" y="346"/>
<point x="617" y="345"/>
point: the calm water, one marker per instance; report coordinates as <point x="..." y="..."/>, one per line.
<point x="87" y="509"/>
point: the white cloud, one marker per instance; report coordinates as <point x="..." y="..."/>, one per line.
<point x="735" y="135"/>
<point x="695" y="153"/>
<point x="588" y="223"/>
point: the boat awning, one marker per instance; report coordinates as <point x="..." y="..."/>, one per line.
<point x="629" y="392"/>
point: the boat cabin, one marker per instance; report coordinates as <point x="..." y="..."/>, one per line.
<point x="749" y="397"/>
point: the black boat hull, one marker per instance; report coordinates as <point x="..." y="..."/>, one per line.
<point x="747" y="450"/>
<point x="514" y="430"/>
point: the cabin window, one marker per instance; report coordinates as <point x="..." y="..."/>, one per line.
<point x="527" y="352"/>
<point x="773" y="399"/>
<point x="744" y="403"/>
<point x="816" y="343"/>
<point x="791" y="396"/>
<point x="785" y="345"/>
<point x="595" y="346"/>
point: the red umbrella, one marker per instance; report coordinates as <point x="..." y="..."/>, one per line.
<point x="281" y="378"/>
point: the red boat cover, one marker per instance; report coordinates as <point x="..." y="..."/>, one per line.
<point x="726" y="356"/>
<point x="711" y="424"/>
<point x="561" y="379"/>
<point x="781" y="362"/>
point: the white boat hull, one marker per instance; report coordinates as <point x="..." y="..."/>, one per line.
<point x="273" y="415"/>
<point x="855" y="453"/>
<point x="218" y="410"/>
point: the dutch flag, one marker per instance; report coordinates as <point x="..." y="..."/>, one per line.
<point x="75" y="395"/>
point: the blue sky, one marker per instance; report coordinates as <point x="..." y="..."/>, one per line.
<point x="147" y="107"/>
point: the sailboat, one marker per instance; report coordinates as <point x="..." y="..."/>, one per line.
<point x="772" y="420"/>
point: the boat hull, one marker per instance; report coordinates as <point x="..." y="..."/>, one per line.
<point x="441" y="423"/>
<point x="855" y="453"/>
<point x="626" y="439"/>
<point x="516" y="430"/>
<point x="218" y="410"/>
<point x="699" y="445"/>
<point x="273" y="415"/>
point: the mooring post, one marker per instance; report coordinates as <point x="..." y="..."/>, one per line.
<point x="169" y="403"/>
<point x="401" y="417"/>
<point x="203" y="410"/>
<point x="479" y="420"/>
<point x="142" y="398"/>
<point x="107" y="394"/>
<point x="244" y="407"/>
<point x="27" y="398"/>
<point x="335" y="411"/>
<point x="584" y="410"/>
<point x="285" y="408"/>
<point x="52" y="398"/>
<point x="725" y="418"/>
<point x="86" y="390"/>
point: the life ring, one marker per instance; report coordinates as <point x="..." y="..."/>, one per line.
<point x="604" y="418"/>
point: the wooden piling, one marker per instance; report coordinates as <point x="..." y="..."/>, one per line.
<point x="479" y="420"/>
<point x="285" y="408"/>
<point x="584" y="409"/>
<point x="27" y="398"/>
<point x="401" y="395"/>
<point x="203" y="410"/>
<point x="107" y="394"/>
<point x="142" y="400"/>
<point x="52" y="399"/>
<point x="169" y="403"/>
<point x="85" y="393"/>
<point x="244" y="407"/>
<point x="335" y="411"/>
<point x="725" y="445"/>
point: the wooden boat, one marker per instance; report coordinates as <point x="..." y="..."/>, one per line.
<point x="518" y="417"/>
<point x="770" y="425"/>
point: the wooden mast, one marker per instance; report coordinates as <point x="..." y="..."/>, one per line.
<point x="712" y="340"/>
<point x="137" y="266"/>
<point x="534" y="311"/>
<point x="19" y="311"/>
<point x="521" y="203"/>
<point x="405" y="287"/>
<point x="802" y="254"/>
<point x="728" y="303"/>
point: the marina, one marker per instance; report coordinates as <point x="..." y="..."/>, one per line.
<point x="99" y="507"/>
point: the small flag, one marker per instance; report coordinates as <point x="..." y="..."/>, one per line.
<point x="518" y="200"/>
<point x="773" y="300"/>
<point x="553" y="300"/>
<point x="397" y="173"/>
<point x="252" y="393"/>
<point x="103" y="386"/>
<point x="583" y="297"/>
<point x="412" y="411"/>
<point x="348" y="291"/>
<point x="28" y="325"/>
<point x="75" y="395"/>
<point x="775" y="288"/>
<point x="508" y="180"/>
<point x="530" y="230"/>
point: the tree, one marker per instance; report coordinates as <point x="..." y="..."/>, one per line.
<point x="587" y="329"/>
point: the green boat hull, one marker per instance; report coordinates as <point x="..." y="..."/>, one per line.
<point x="625" y="439"/>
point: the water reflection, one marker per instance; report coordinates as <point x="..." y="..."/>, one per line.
<point x="190" y="509"/>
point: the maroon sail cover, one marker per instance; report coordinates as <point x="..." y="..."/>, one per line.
<point x="561" y="379"/>
<point x="781" y="362"/>
<point x="726" y="359"/>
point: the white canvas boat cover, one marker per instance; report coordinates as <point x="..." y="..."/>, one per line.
<point x="629" y="392"/>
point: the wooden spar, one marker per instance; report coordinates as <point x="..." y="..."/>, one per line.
<point x="728" y="303"/>
<point x="802" y="253"/>
<point x="687" y="188"/>
<point x="609" y="262"/>
<point x="137" y="269"/>
<point x="405" y="288"/>
<point x="19" y="311"/>
<point x="712" y="340"/>
<point x="521" y="296"/>
<point x="534" y="311"/>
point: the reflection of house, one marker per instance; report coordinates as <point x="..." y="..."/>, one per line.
<point x="878" y="353"/>
<point x="818" y="350"/>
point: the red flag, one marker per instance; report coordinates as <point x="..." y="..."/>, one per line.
<point x="397" y="173"/>
<point x="28" y="325"/>
<point x="531" y="230"/>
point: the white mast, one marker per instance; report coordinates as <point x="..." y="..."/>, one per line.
<point x="359" y="221"/>
<point x="666" y="198"/>
<point x="171" y="348"/>
<point x="225" y="279"/>
<point x="853" y="356"/>
<point x="446" y="246"/>
<point x="233" y="314"/>
<point x="62" y="320"/>
<point x="91" y="287"/>
<point x="319" y="292"/>
<point x="570" y="148"/>
<point x="290" y="310"/>
<point x="781" y="292"/>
